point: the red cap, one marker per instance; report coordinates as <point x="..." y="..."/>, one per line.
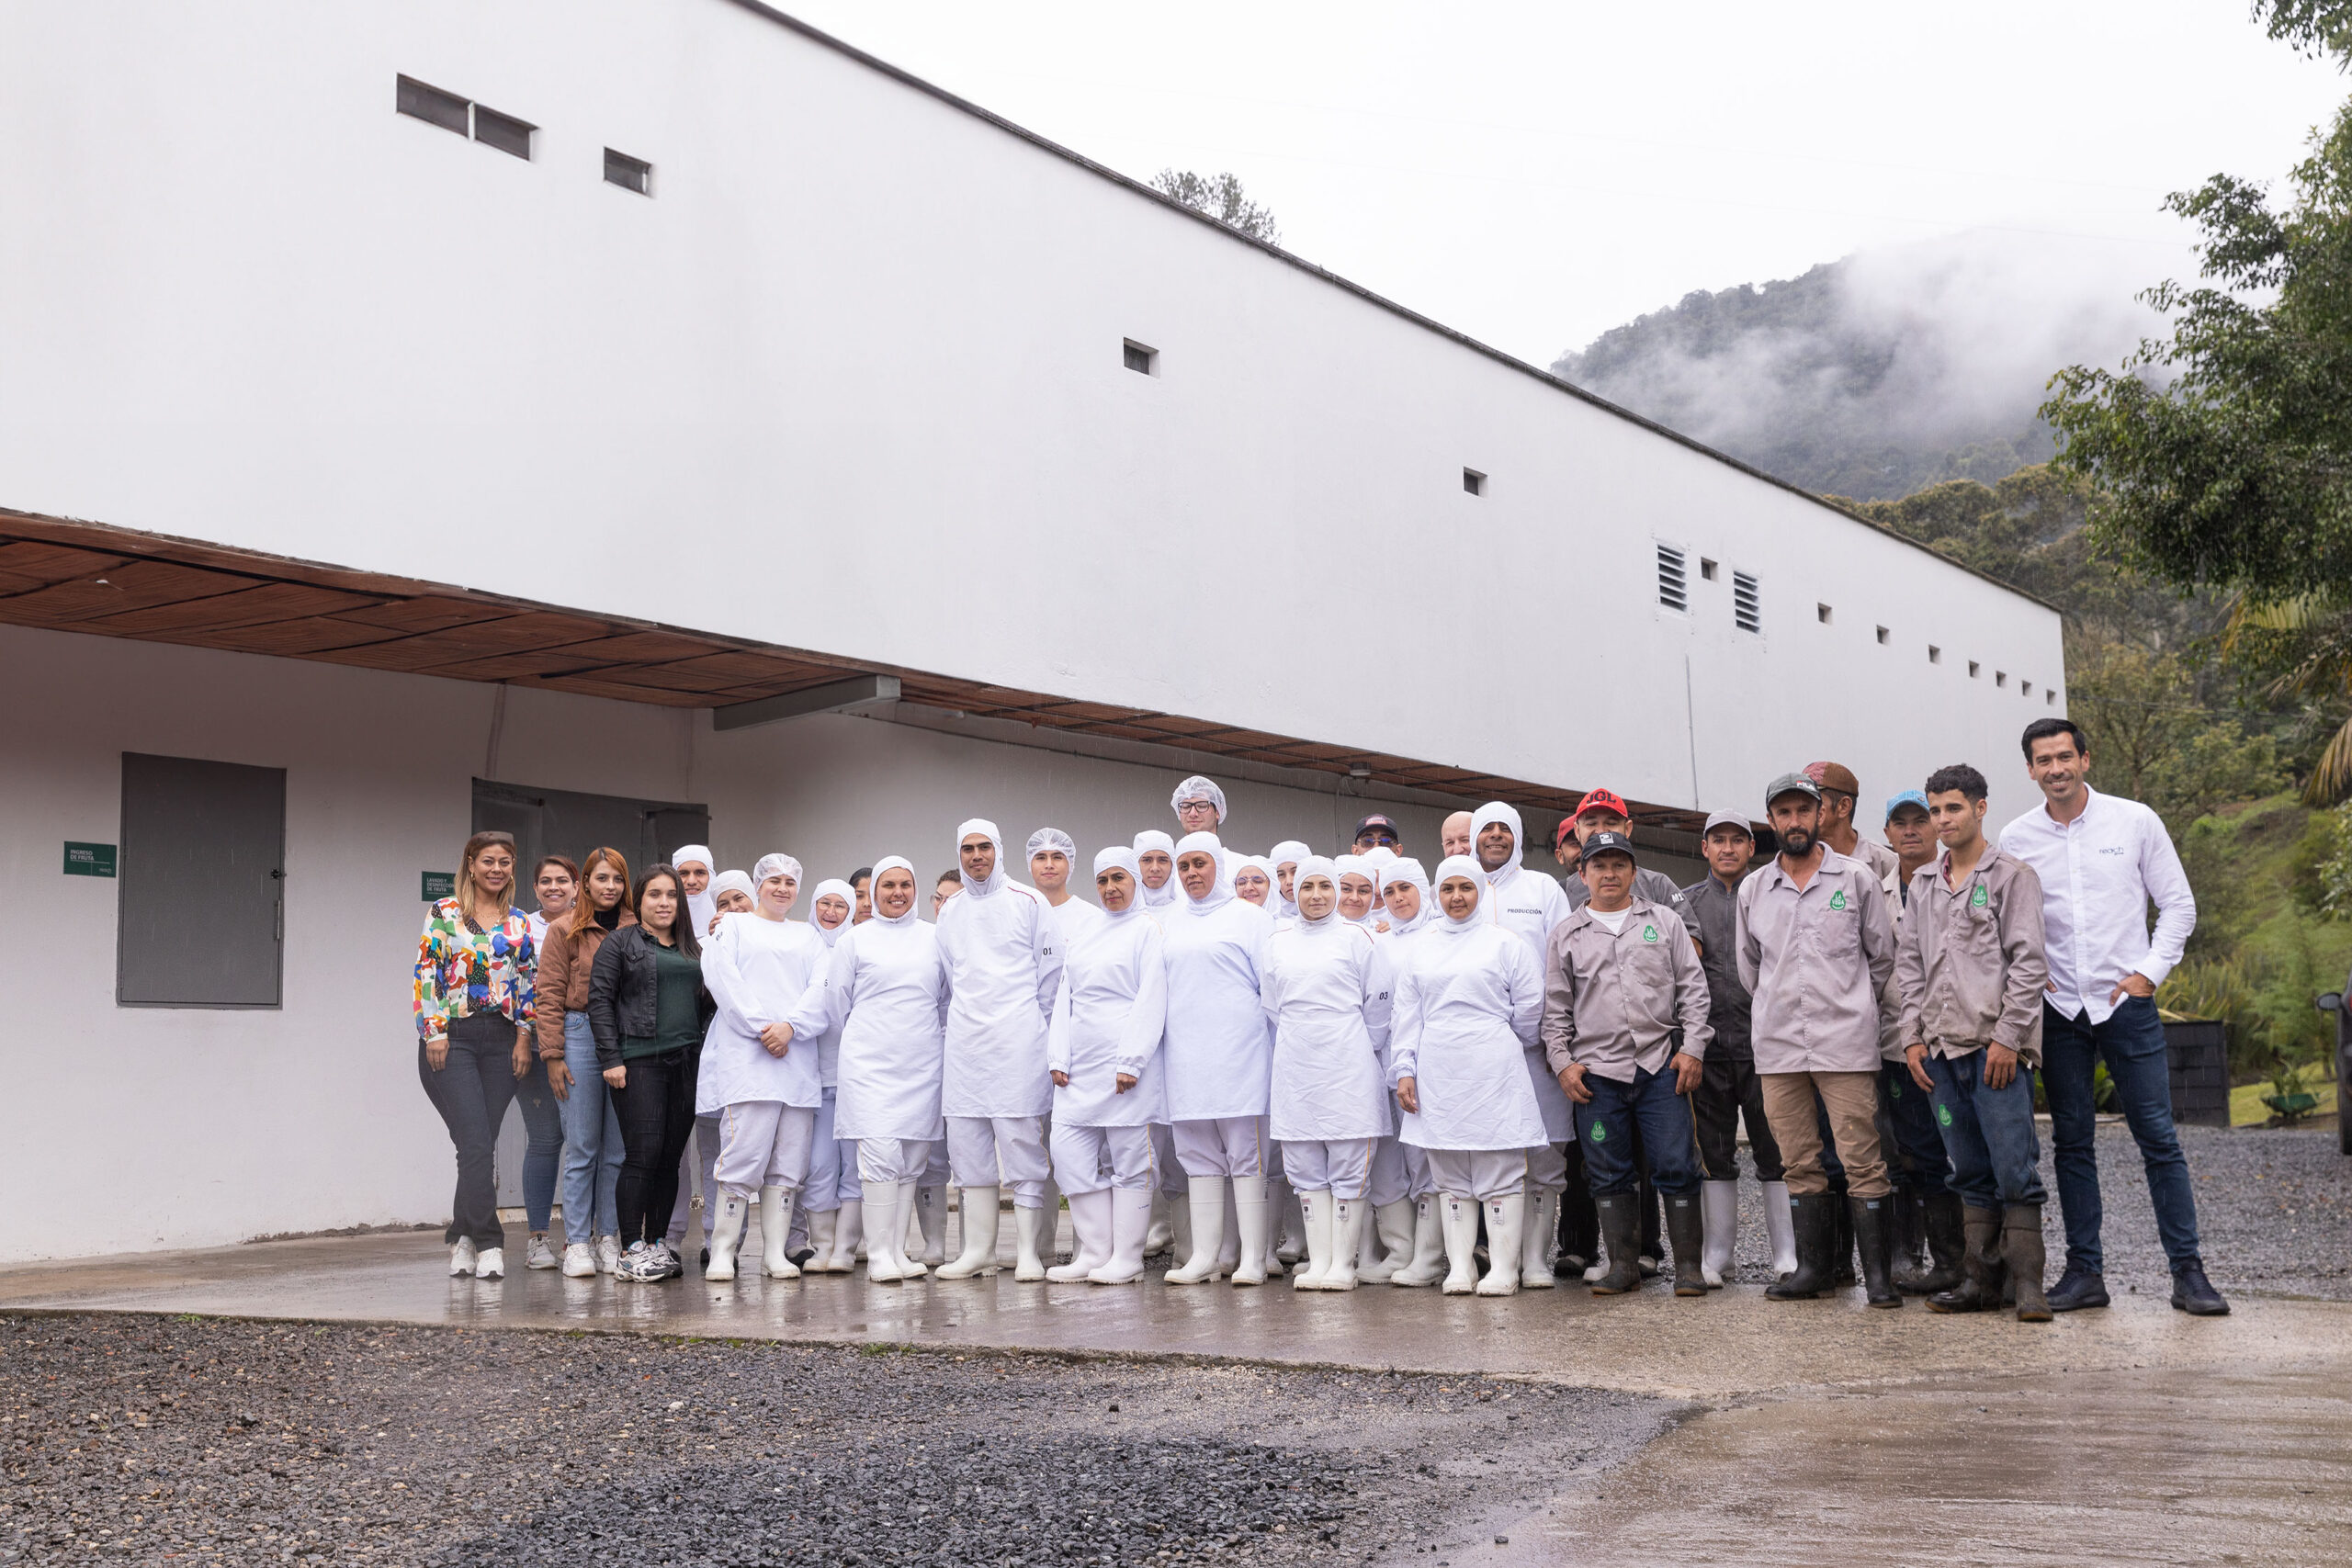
<point x="1602" y="800"/>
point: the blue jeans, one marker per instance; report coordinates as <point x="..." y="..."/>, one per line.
<point x="1915" y="1157"/>
<point x="2132" y="1044"/>
<point x="543" y="1122"/>
<point x="592" y="1140"/>
<point x="1996" y="1156"/>
<point x="1605" y="1132"/>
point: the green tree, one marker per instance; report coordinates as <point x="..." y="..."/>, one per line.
<point x="1221" y="196"/>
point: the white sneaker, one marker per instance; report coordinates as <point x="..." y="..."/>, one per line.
<point x="579" y="1261"/>
<point x="461" y="1260"/>
<point x="491" y="1265"/>
<point x="539" y="1254"/>
<point x="608" y="1253"/>
<point x="642" y="1263"/>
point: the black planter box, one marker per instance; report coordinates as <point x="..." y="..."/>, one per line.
<point x="2198" y="1051"/>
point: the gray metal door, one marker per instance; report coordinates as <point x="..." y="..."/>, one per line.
<point x="201" y="885"/>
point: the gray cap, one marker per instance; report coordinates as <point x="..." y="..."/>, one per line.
<point x="1727" y="819"/>
<point x="1790" y="783"/>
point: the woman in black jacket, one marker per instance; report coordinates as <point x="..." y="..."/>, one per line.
<point x="648" y="1010"/>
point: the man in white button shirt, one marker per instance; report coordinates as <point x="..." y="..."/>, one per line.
<point x="2102" y="860"/>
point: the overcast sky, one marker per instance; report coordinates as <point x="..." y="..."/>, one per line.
<point x="1534" y="172"/>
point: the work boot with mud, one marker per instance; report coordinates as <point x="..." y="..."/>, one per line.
<point x="1980" y="1264"/>
<point x="1686" y="1230"/>
<point x="1874" y="1236"/>
<point x="1939" y="1217"/>
<point x="1814" y="1217"/>
<point x="2021" y="1250"/>
<point x="1621" y="1228"/>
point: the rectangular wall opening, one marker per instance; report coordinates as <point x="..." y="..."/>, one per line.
<point x="201" y="890"/>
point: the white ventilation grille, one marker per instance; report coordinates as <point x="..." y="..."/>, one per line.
<point x="1746" y="609"/>
<point x="1673" y="590"/>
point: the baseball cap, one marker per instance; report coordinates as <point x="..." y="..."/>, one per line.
<point x="1726" y="819"/>
<point x="1790" y="783"/>
<point x="1602" y="800"/>
<point x="1608" y="844"/>
<point x="1908" y="798"/>
<point x="1376" y="820"/>
<point x="1834" y="777"/>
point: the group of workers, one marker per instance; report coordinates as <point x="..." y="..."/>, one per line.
<point x="1347" y="1069"/>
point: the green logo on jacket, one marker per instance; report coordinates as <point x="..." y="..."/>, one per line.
<point x="1838" y="899"/>
<point x="1649" y="933"/>
<point x="1600" y="1133"/>
<point x="1943" y="1115"/>
<point x="1979" y="898"/>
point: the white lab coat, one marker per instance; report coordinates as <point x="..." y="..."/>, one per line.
<point x="827" y="1046"/>
<point x="1218" y="1057"/>
<point x="1326" y="999"/>
<point x="887" y="991"/>
<point x="1528" y="904"/>
<point x="1468" y="1010"/>
<point x="757" y="970"/>
<point x="1003" y="963"/>
<point x="1109" y="1013"/>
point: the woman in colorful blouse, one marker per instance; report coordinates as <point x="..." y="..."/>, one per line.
<point x="474" y="967"/>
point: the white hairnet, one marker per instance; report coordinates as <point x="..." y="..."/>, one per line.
<point x="1046" y="838"/>
<point x="775" y="865"/>
<point x="1199" y="788"/>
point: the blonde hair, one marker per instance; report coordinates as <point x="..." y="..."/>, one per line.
<point x="473" y="852"/>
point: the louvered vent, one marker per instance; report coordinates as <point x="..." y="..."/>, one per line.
<point x="1746" y="611"/>
<point x="1673" y="590"/>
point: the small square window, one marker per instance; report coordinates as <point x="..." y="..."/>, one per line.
<point x="430" y="105"/>
<point x="2050" y="699"/>
<point x="2000" y="677"/>
<point x="2024" y="688"/>
<point x="1822" y="613"/>
<point x="1473" y="481"/>
<point x="1706" y="570"/>
<point x="1975" y="669"/>
<point x="629" y="173"/>
<point x="503" y="131"/>
<point x="1882" y="637"/>
<point x="1934" y="654"/>
<point x="1143" y="361"/>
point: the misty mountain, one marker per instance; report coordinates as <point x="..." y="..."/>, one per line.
<point x="1887" y="371"/>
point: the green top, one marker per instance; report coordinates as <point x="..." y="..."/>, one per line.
<point x="677" y="1010"/>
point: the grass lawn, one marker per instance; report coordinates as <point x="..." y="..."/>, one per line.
<point x="2246" y="1108"/>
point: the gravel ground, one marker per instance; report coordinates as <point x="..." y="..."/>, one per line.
<point x="150" y="1438"/>
<point x="2274" y="1213"/>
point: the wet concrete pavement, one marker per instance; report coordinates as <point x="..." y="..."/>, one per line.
<point x="1829" y="1433"/>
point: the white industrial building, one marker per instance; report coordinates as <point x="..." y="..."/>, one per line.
<point x="424" y="413"/>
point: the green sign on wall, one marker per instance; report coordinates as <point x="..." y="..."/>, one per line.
<point x="440" y="884"/>
<point x="88" y="860"/>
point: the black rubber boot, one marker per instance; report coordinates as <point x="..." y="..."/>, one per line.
<point x="1910" y="1228"/>
<point x="1685" y="1232"/>
<point x="1841" y="1245"/>
<point x="1939" y="1217"/>
<point x="1621" y="1231"/>
<point x="1980" y="1260"/>
<point x="1875" y="1237"/>
<point x="1814" y="1216"/>
<point x="2021" y="1250"/>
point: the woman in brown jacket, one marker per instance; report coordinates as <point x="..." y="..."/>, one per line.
<point x="592" y="1132"/>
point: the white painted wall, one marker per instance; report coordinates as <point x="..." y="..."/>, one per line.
<point x="852" y="382"/>
<point x="132" y="1128"/>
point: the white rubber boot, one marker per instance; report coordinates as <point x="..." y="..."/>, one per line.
<point x="1251" y="1219"/>
<point x="1130" y="1221"/>
<point x="775" y="1231"/>
<point x="1163" y="1235"/>
<point x="1535" y="1246"/>
<point x="1459" y="1216"/>
<point x="886" y="1205"/>
<point x="1316" y="1209"/>
<point x="978" y="1205"/>
<point x="930" y="1215"/>
<point x="1395" y="1223"/>
<point x="822" y="1228"/>
<point x="1348" y="1227"/>
<point x="1428" y="1266"/>
<point x="1506" y="1225"/>
<point x="1029" y="1237"/>
<point x="849" y="1235"/>
<point x="726" y="1235"/>
<point x="1228" y="1256"/>
<point x="1090" y="1224"/>
<point x="1719" y="1213"/>
<point x="1206" y="1200"/>
<point x="1780" y="1225"/>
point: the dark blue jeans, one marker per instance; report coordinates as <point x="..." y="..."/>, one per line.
<point x="1915" y="1149"/>
<point x="543" y="1155"/>
<point x="2132" y="1044"/>
<point x="1605" y="1132"/>
<point x="1996" y="1156"/>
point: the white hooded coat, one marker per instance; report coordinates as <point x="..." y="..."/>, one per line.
<point x="703" y="905"/>
<point x="1217" y="1060"/>
<point x="757" y="970"/>
<point x="1326" y="999"/>
<point x="1003" y="965"/>
<point x="1109" y="1015"/>
<point x="1527" y="904"/>
<point x="887" y="990"/>
<point x="1290" y="851"/>
<point x="1166" y="894"/>
<point x="1468" y="1010"/>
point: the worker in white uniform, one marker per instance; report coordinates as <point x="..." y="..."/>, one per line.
<point x="1253" y="881"/>
<point x="1156" y="855"/>
<point x="1529" y="903"/>
<point x="1467" y="1011"/>
<point x="1285" y="857"/>
<point x="1404" y="1202"/>
<point x="1003" y="963"/>
<point x="1052" y="856"/>
<point x="1359" y="890"/>
<point x="1104" y="1050"/>
<point x="764" y="1092"/>
<point x="1326" y="991"/>
<point x="1217" y="1063"/>
<point x="833" y="1203"/>
<point x="887" y="990"/>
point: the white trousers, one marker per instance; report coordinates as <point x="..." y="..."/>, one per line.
<point x="1547" y="1167"/>
<point x="1390" y="1180"/>
<point x="1229" y="1145"/>
<point x="1090" y="1159"/>
<point x="832" y="1166"/>
<point x="895" y="1159"/>
<point x="1479" y="1173"/>
<point x="763" y="1143"/>
<point x="1342" y="1168"/>
<point x="1000" y="1151"/>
